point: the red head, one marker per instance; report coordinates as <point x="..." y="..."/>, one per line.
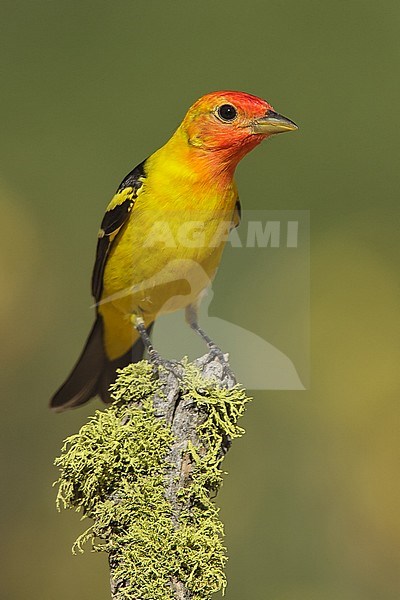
<point x="231" y="124"/>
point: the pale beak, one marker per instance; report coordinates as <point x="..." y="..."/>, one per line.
<point x="272" y="123"/>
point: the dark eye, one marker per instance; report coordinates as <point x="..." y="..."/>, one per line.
<point x="227" y="112"/>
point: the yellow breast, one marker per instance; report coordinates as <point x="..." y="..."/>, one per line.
<point x="168" y="251"/>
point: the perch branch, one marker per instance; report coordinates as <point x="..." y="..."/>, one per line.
<point x="145" y="470"/>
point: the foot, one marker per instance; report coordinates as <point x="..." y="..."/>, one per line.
<point x="171" y="366"/>
<point x="216" y="352"/>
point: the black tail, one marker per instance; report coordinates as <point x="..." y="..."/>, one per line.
<point x="93" y="372"/>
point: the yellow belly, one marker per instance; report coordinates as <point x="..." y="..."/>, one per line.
<point x="160" y="263"/>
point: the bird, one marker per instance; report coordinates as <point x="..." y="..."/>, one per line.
<point x="162" y="236"/>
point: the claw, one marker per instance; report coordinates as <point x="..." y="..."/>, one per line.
<point x="215" y="352"/>
<point x="172" y="366"/>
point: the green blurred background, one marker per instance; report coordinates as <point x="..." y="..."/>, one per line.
<point x="89" y="89"/>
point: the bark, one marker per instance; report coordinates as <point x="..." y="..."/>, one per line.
<point x="184" y="417"/>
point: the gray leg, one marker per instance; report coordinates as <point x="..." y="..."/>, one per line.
<point x="191" y="318"/>
<point x="171" y="366"/>
<point x="213" y="350"/>
<point x="139" y="325"/>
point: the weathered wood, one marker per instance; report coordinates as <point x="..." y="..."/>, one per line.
<point x="184" y="417"/>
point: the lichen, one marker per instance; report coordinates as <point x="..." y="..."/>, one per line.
<point x="114" y="472"/>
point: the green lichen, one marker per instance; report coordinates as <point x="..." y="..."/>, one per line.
<point x="114" y="471"/>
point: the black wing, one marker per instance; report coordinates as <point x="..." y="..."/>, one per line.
<point x="237" y="215"/>
<point x="116" y="215"/>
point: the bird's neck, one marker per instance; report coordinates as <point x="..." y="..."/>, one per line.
<point x="189" y="177"/>
<point x="214" y="168"/>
